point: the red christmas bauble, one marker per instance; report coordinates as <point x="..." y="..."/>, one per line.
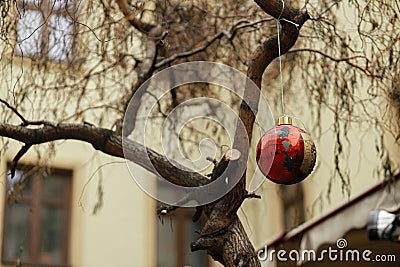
<point x="286" y="154"/>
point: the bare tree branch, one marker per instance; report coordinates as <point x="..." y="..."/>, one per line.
<point x="345" y="59"/>
<point x="108" y="142"/>
<point x="191" y="52"/>
<point x="222" y="215"/>
<point x="227" y="33"/>
<point x="187" y="30"/>
<point x="131" y="17"/>
<point x="17" y="157"/>
<point x="154" y="36"/>
<point x="24" y="121"/>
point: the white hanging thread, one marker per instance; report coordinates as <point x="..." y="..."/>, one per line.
<point x="279" y="56"/>
<point x="280" y="70"/>
<point x="279" y="53"/>
<point x="280" y="61"/>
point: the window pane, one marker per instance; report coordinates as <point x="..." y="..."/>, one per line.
<point x="16" y="232"/>
<point x="54" y="186"/>
<point x="61" y="4"/>
<point x="61" y="37"/>
<point x="23" y="3"/>
<point x="52" y="228"/>
<point x="52" y="4"/>
<point x="166" y="245"/>
<point x="29" y="32"/>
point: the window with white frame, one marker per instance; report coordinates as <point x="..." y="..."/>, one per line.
<point x="45" y="29"/>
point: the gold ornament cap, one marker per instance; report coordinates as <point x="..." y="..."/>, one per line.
<point x="285" y="119"/>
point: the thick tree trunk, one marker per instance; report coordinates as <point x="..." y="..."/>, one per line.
<point x="223" y="235"/>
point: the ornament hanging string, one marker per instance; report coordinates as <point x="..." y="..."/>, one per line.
<point x="279" y="52"/>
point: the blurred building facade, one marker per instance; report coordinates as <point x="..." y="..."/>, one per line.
<point x="109" y="221"/>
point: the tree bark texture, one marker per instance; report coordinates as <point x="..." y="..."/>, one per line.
<point x="223" y="227"/>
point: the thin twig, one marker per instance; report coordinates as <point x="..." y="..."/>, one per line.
<point x="238" y="25"/>
<point x="24" y="121"/>
<point x="346" y="59"/>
